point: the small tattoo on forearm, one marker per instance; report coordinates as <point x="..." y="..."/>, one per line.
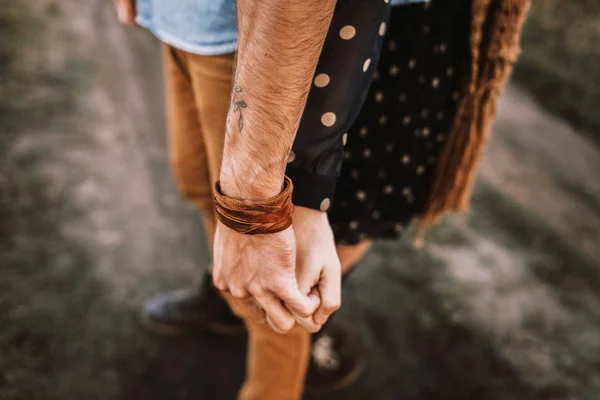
<point x="238" y="104"/>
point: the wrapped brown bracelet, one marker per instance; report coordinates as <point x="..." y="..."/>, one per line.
<point x="258" y="217"/>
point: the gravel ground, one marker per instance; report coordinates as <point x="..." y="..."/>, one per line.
<point x="502" y="303"/>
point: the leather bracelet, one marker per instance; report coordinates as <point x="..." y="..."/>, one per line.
<point x="271" y="215"/>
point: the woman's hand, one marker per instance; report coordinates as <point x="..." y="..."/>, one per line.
<point x="126" y="11"/>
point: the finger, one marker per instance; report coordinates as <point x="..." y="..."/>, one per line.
<point x="219" y="283"/>
<point x="308" y="323"/>
<point x="330" y="289"/>
<point x="126" y="11"/>
<point x="246" y="302"/>
<point x="307" y="277"/>
<point x="295" y="301"/>
<point x="273" y="326"/>
<point x="277" y="315"/>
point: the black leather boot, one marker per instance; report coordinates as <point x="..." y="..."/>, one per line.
<point x="194" y="311"/>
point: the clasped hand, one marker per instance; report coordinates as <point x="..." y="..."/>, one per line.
<point x="282" y="278"/>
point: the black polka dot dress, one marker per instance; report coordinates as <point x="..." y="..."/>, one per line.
<point x="340" y="86"/>
<point x="376" y="119"/>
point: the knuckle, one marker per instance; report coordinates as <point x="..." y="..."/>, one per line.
<point x="304" y="312"/>
<point x="311" y="328"/>
<point x="331" y="305"/>
<point x="237" y="292"/>
<point x="286" y="325"/>
<point x="219" y="283"/>
<point x="255" y="288"/>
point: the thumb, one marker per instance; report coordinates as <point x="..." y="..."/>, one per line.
<point x="300" y="304"/>
<point x="330" y="289"/>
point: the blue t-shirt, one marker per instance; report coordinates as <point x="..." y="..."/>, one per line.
<point x="206" y="27"/>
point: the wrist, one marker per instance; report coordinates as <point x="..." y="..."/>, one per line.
<point x="242" y="183"/>
<point x="310" y="221"/>
<point x="270" y="215"/>
<point x="246" y="175"/>
<point x="309" y="213"/>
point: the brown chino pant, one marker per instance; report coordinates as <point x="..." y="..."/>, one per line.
<point x="198" y="95"/>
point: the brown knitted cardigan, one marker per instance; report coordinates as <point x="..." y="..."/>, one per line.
<point x="495" y="32"/>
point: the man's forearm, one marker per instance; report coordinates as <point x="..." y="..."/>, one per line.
<point x="279" y="46"/>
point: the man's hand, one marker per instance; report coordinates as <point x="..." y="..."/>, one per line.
<point x="318" y="267"/>
<point x="260" y="273"/>
<point x="278" y="50"/>
<point x="126" y="11"/>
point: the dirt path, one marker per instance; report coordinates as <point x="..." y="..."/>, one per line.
<point x="502" y="304"/>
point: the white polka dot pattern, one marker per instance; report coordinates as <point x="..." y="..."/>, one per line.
<point x="347" y="32"/>
<point x="322" y="80"/>
<point x="394" y="144"/>
<point x="328" y="119"/>
<point x="382" y="29"/>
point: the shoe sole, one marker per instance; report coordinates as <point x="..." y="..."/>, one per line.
<point x="161" y="329"/>
<point x="342" y="384"/>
